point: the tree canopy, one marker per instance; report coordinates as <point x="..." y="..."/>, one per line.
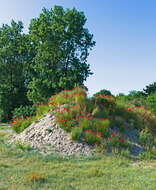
<point x="52" y="57"/>
<point x="151" y="88"/>
<point x="13" y="56"/>
<point x="62" y="44"/>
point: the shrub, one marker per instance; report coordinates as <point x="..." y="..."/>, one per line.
<point x="102" y="126"/>
<point x="41" y="110"/>
<point x="84" y="123"/>
<point x="151" y="102"/>
<point x="76" y="133"/>
<point x="90" y="105"/>
<point x="25" y="124"/>
<point x="107" y="102"/>
<point x="146" y="139"/>
<point x="103" y="92"/>
<point x="75" y="111"/>
<point x="18" y="124"/>
<point x="59" y="100"/>
<point x="90" y="138"/>
<point x="120" y="123"/>
<point x="114" y="140"/>
<point x="24" y="111"/>
<point x="64" y="121"/>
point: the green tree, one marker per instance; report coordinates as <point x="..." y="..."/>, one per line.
<point x="151" y="88"/>
<point x="137" y="98"/>
<point x="134" y="97"/>
<point x="13" y="56"/>
<point x="104" y="92"/>
<point x="62" y="46"/>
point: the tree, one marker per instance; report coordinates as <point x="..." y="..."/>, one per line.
<point x="150" y="89"/>
<point x="104" y="92"/>
<point x="120" y="94"/>
<point x="13" y="56"/>
<point x="137" y="98"/>
<point x="62" y="46"/>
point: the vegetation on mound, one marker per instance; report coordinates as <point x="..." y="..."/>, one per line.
<point x="91" y="119"/>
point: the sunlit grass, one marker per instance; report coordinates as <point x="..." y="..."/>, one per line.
<point x="28" y="170"/>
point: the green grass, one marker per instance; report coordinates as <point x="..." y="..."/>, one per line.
<point x="24" y="169"/>
<point x="4" y="127"/>
<point x="28" y="171"/>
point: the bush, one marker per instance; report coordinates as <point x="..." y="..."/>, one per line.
<point x="146" y="139"/>
<point x="24" y="111"/>
<point x="90" y="138"/>
<point x="76" y="133"/>
<point x="120" y="123"/>
<point x="102" y="126"/>
<point x="90" y="104"/>
<point x="105" y="101"/>
<point x="18" y="124"/>
<point x="84" y="123"/>
<point x="42" y="109"/>
<point x="25" y="124"/>
<point x="103" y="92"/>
<point x="151" y="102"/>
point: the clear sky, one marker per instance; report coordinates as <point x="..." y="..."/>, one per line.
<point x="124" y="57"/>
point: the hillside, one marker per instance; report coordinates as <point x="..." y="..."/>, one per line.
<point x="101" y="122"/>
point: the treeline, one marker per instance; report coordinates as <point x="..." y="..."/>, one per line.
<point x="145" y="98"/>
<point x="50" y="58"/>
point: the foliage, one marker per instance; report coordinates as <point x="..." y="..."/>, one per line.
<point x="84" y="123"/>
<point x="102" y="126"/>
<point x="50" y="58"/>
<point x="120" y="123"/>
<point x="107" y="102"/>
<point x="76" y="133"/>
<point x="146" y="139"/>
<point x="25" y="124"/>
<point x="103" y="92"/>
<point x="16" y="125"/>
<point x="151" y="102"/>
<point x="13" y="58"/>
<point x="24" y="111"/>
<point x="20" y="145"/>
<point x="151" y="88"/>
<point x="91" y="138"/>
<point x="134" y="97"/>
<point x="42" y="109"/>
<point x="19" y="124"/>
<point x="62" y="45"/>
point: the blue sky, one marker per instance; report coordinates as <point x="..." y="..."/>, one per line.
<point x="124" y="57"/>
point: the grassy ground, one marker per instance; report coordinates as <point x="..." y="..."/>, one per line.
<point x="25" y="169"/>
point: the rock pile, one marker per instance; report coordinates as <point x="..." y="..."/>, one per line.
<point x="47" y="137"/>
